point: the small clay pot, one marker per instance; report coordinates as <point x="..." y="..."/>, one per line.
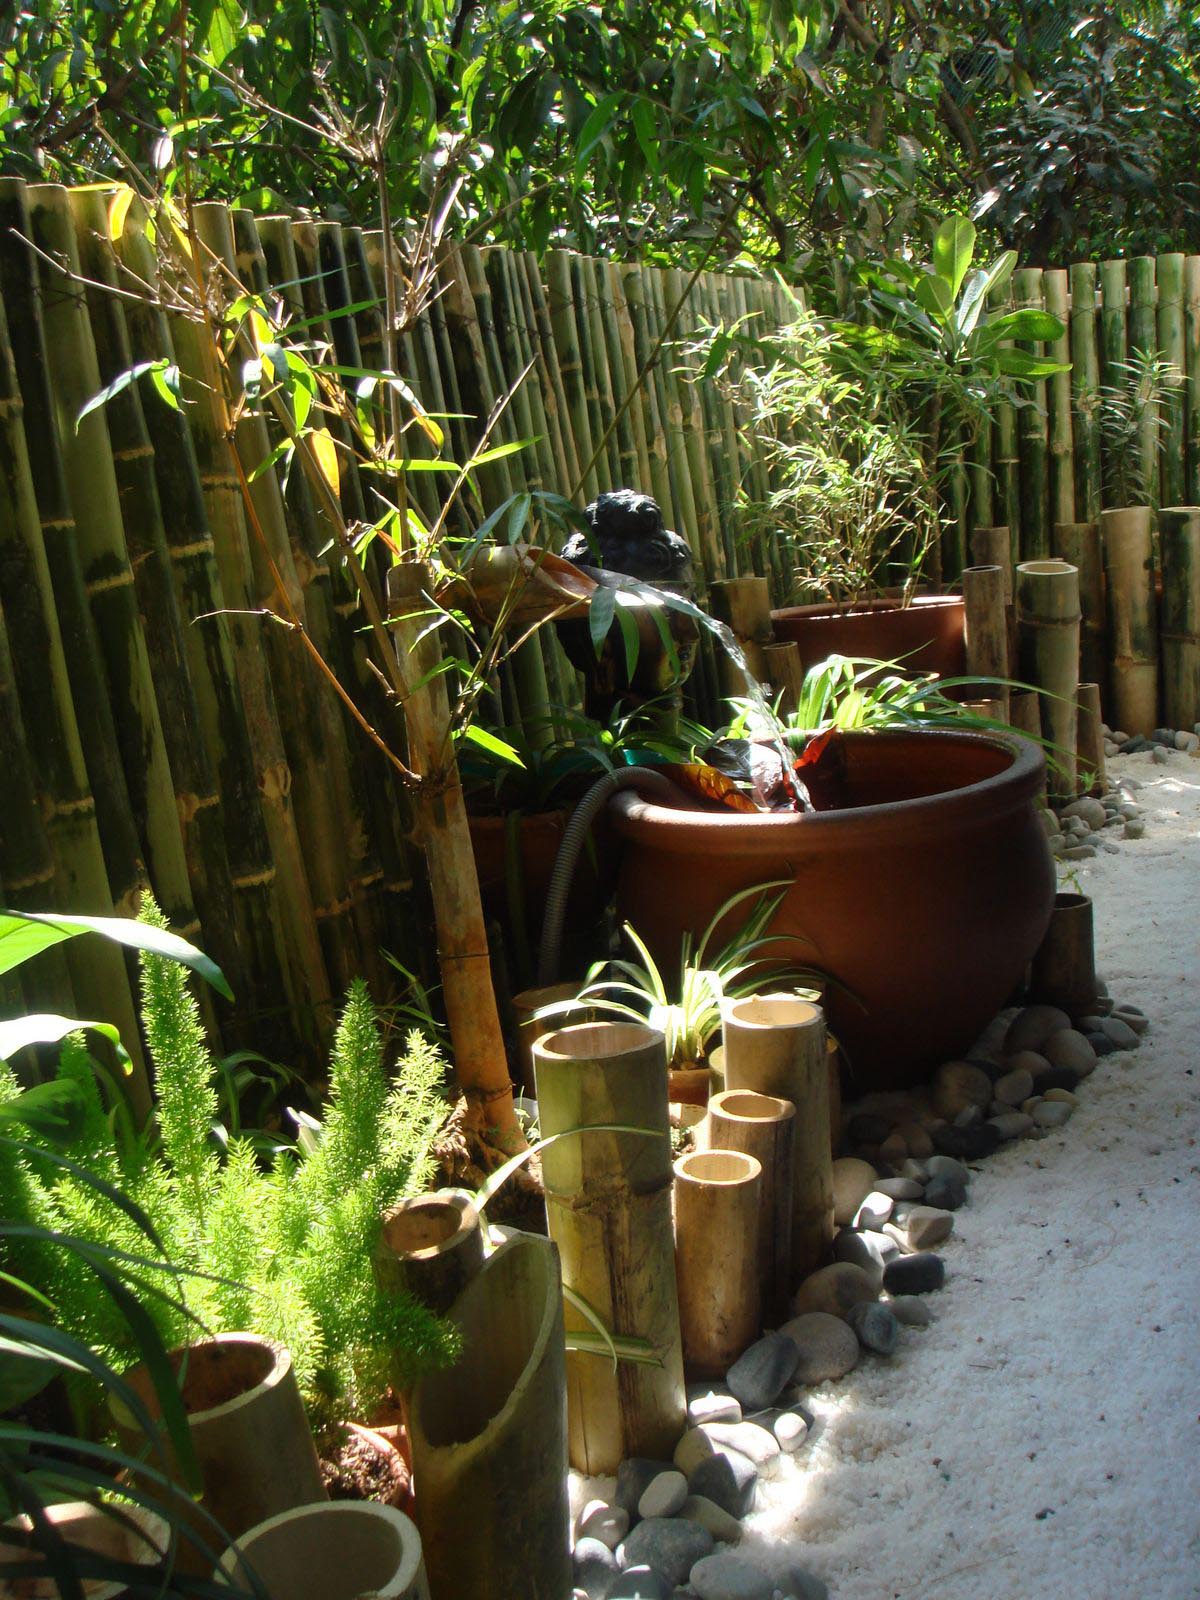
<point x="924" y="636"/>
<point x="394" y="1462"/>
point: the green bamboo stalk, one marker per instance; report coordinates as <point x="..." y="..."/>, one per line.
<point x="609" y="349"/>
<point x="1170" y="270"/>
<point x="1085" y="384"/>
<point x="1113" y="342"/>
<point x="982" y="502"/>
<point x="1143" y="335"/>
<point x="108" y="576"/>
<point x="703" y="536"/>
<point x="1032" y="436"/>
<point x="640" y="311"/>
<point x="1006" y="462"/>
<point x="197" y="799"/>
<point x="608" y="468"/>
<point x="621" y="353"/>
<point x="550" y="372"/>
<point x="1179" y="539"/>
<point x="1191" y="325"/>
<point x="561" y="304"/>
<point x="1078" y="543"/>
<point x="1062" y="437"/>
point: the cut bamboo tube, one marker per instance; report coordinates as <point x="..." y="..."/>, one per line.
<point x="1032" y="434"/>
<point x="992" y="547"/>
<point x="1048" y="658"/>
<point x="1078" y="543"/>
<point x="1058" y="393"/>
<point x="1191" y="339"/>
<point x="1023" y="713"/>
<point x="1091" y="773"/>
<point x="1171" y="342"/>
<point x="785" y="674"/>
<point x="329" y="1552"/>
<point x="744" y="605"/>
<point x="526" y="1004"/>
<point x="775" y="1044"/>
<point x="1143" y="336"/>
<point x="489" y="1437"/>
<point x="717" y="1199"/>
<point x="1128" y="546"/>
<point x="608" y="1200"/>
<point x="1179" y="545"/>
<point x="445" y="837"/>
<point x="762" y="1126"/>
<point x="985" y="628"/>
<point x="1064" y="968"/>
<point x="1085" y="384"/>
<point x="430" y="1247"/>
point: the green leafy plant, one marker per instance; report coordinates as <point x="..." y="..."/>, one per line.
<point x="688" y="1011"/>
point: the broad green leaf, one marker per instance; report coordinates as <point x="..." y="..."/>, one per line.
<point x="165" y="377"/>
<point x="1019" y="364"/>
<point x="953" y="247"/>
<point x="934" y="295"/>
<point x="119" y="383"/>
<point x="499" y="451"/>
<point x="492" y="744"/>
<point x="44" y="1027"/>
<point x="600" y="615"/>
<point x="604" y="114"/>
<point x="24" y="934"/>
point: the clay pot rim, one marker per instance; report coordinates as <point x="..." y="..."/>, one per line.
<point x="674" y="827"/>
<point x="408" y="1540"/>
<point x="867" y="608"/>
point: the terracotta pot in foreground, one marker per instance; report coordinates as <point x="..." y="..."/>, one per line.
<point x="924" y="895"/>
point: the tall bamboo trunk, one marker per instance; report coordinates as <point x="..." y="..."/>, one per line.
<point x="1078" y="544"/>
<point x="1090" y="740"/>
<point x="608" y="1199"/>
<point x="1032" y="436"/>
<point x="1058" y="392"/>
<point x="1191" y="339"/>
<point x="1048" y="637"/>
<point x="1132" y="617"/>
<point x="1085" y="384"/>
<point x="985" y="630"/>
<point x="1179" y="541"/>
<point x="1143" y="336"/>
<point x="1172" y="343"/>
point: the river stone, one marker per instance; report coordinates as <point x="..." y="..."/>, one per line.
<point x="1101" y="1043"/>
<point x="1159" y="756"/>
<point x="875" y="1326"/>
<point x="1069" y="1048"/>
<point x="728" y="1480"/>
<point x="1132" y="1017"/>
<point x="1088" y="810"/>
<point x="874" y="1211"/>
<point x="639" y="1583"/>
<point x="853" y="1181"/>
<point x="757" y="1444"/>
<point x="791" y="1429"/>
<point x="761" y="1373"/>
<point x="1051" y="1114"/>
<point x="958" y="1085"/>
<point x="1031" y="1061"/>
<point x="967" y="1144"/>
<point x="600" y="1520"/>
<point x="893" y="1149"/>
<point x="797" y="1583"/>
<point x="828" y="1347"/>
<point x="926" y="1226"/>
<point x="866" y="1127"/>
<point x="1121" y="1034"/>
<point x="911" y="1310"/>
<point x="870" y="1251"/>
<point x="947" y="1167"/>
<point x="1135" y="828"/>
<point x="1012" y="1125"/>
<point x="917" y="1274"/>
<point x="970" y="1116"/>
<point x="917" y="1168"/>
<point x="899" y="1188"/>
<point x="595" y="1567"/>
<point x="706" y="1404"/>
<point x="833" y="1289"/>
<point x="1031" y="1027"/>
<point x="916" y="1141"/>
<point x="713" y="1517"/>
<point x="1016" y="1085"/>
<point x="633" y="1476"/>
<point x="1063" y="1095"/>
<point x="946" y="1194"/>
<point x="663" y="1496"/>
<point x="671" y="1545"/>
<point x="724" y="1576"/>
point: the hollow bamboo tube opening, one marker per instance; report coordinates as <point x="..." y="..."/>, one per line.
<point x="1064" y="968"/>
<point x="762" y="1126"/>
<point x="1132" y="617"/>
<point x="430" y="1247"/>
<point x="608" y="1202"/>
<point x="1048" y="657"/>
<point x="992" y="547"/>
<point x="776" y="1045"/>
<point x="717" y="1195"/>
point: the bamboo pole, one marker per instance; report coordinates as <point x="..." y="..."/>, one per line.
<point x="744" y="605"/>
<point x="638" y="302"/>
<point x="762" y="1126"/>
<point x="1191" y="338"/>
<point x="985" y="628"/>
<point x="1058" y="391"/>
<point x="982" y="501"/>
<point x="86" y="452"/>
<point x="1064" y="968"/>
<point x="1128" y="549"/>
<point x="717" y="1199"/>
<point x="608" y="1199"/>
<point x="1172" y="342"/>
<point x="1078" y="544"/>
<point x="1023" y="712"/>
<point x="1085" y="385"/>
<point x="785" y="674"/>
<point x="430" y="1247"/>
<point x="1113" y="344"/>
<point x="775" y="1044"/>
<point x="608" y="349"/>
<point x="1032" y="435"/>
<point x="1179" y="543"/>
<point x="489" y="1437"/>
<point x="561" y="306"/>
<point x="992" y="547"/>
<point x="1048" y="644"/>
<point x="1092" y="779"/>
<point x="1006" y="461"/>
<point x="1143" y="335"/>
<point x="81" y="790"/>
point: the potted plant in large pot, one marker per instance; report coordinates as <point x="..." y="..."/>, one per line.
<point x="920" y="879"/>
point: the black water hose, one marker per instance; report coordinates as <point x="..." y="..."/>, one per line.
<point x="655" y="784"/>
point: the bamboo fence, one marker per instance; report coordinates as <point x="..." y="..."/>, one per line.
<point x="158" y="729"/>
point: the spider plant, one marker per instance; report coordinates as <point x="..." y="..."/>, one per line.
<point x="688" y="1012"/>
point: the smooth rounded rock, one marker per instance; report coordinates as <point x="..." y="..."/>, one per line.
<point x="853" y="1181"/>
<point x="1120" y="1033"/>
<point x="1051" y="1114"/>
<point x="946" y="1194"/>
<point x="875" y="1326"/>
<point x="1131" y="1017"/>
<point x="899" y="1188"/>
<point x="926" y="1226"/>
<point x="870" y="1251"/>
<point x="696" y="1508"/>
<point x="728" y="1480"/>
<point x="756" y="1443"/>
<point x="1088" y="810"/>
<point x="797" y="1583"/>
<point x="601" y="1520"/>
<point x="833" y="1289"/>
<point x="663" y="1496"/>
<point x="670" y="1545"/>
<point x="1012" y="1125"/>
<point x="1031" y="1027"/>
<point x="940" y="1166"/>
<point x="874" y="1211"/>
<point x="959" y="1085"/>
<point x="1070" y="1048"/>
<point x="706" y="1404"/>
<point x="1063" y="1095"/>
<point x="966" y="1144"/>
<point x="828" y="1347"/>
<point x="724" y="1576"/>
<point x="595" y="1567"/>
<point x="791" y="1429"/>
<point x="1031" y="1061"/>
<point x="1016" y="1085"/>
<point x="910" y="1310"/>
<point x="634" y="1475"/>
<point x="761" y="1373"/>
<point x="919" y="1274"/>
<point x="639" y="1583"/>
<point x="1135" y="828"/>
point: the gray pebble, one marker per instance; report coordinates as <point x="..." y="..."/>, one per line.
<point x="870" y="1251"/>
<point x="1079" y="852"/>
<point x="756" y="1443"/>
<point x="875" y="1326"/>
<point x="946" y="1194"/>
<point x="1159" y="756"/>
<point x="668" y="1544"/>
<point x="1069" y="1048"/>
<point x="797" y="1583"/>
<point x="595" y="1567"/>
<point x="900" y="1188"/>
<point x="706" y="1404"/>
<point x="926" y="1226"/>
<point x="728" y="1480"/>
<point x="828" y="1348"/>
<point x="638" y="1583"/>
<point x="1051" y="1114"/>
<point x="1015" y="1086"/>
<point x="791" y="1429"/>
<point x="1189" y="743"/>
<point x="724" y="1576"/>
<point x="1012" y="1125"/>
<point x="711" y="1516"/>
<point x="1031" y="1027"/>
<point x="1121" y="1034"/>
<point x="917" y="1274"/>
<point x="1135" y="828"/>
<point x="761" y="1373"/>
<point x="911" y="1310"/>
<point x="633" y="1476"/>
<point x="1101" y="1043"/>
<point x="948" y="1167"/>
<point x="874" y="1211"/>
<point x="1087" y="810"/>
<point x="600" y="1520"/>
<point x="1132" y="1017"/>
<point x="663" y="1496"/>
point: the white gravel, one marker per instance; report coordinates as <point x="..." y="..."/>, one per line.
<point x="1041" y="1439"/>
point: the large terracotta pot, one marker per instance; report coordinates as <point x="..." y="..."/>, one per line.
<point x="928" y="633"/>
<point x="924" y="895"/>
